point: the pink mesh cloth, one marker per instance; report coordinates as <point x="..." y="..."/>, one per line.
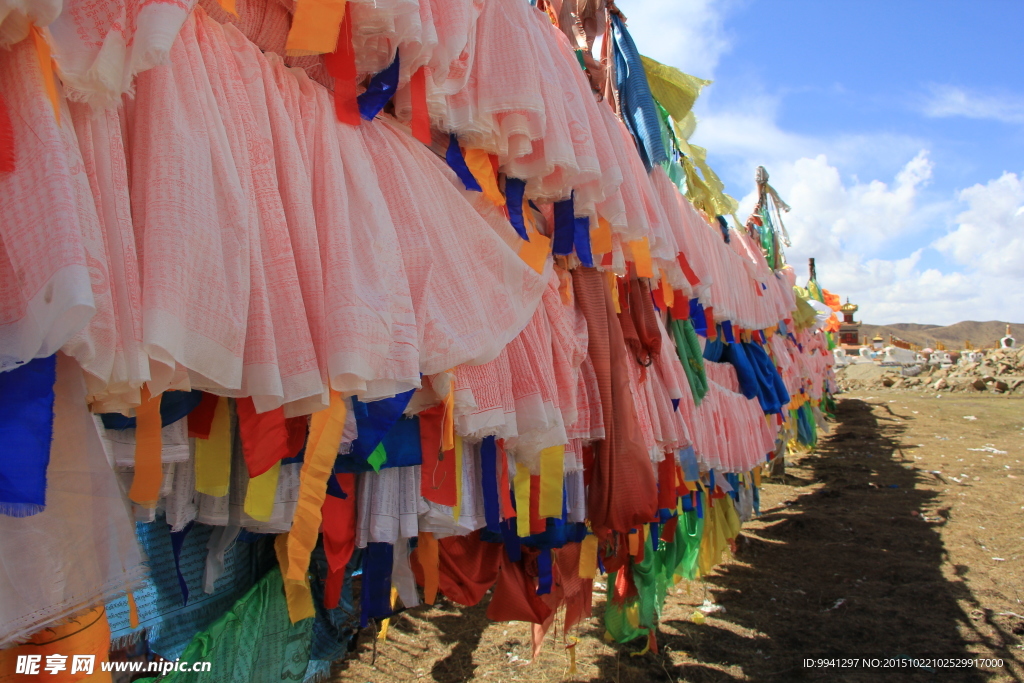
<point x="484" y="402"/>
<point x="538" y="414"/>
<point x="100" y="45"/>
<point x="472" y="294"/>
<point x="48" y="218"/>
<point x="192" y="222"/>
<point x="110" y="347"/>
<point x="371" y="336"/>
<point x="281" y="363"/>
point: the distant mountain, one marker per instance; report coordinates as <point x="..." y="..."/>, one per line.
<point x="981" y="334"/>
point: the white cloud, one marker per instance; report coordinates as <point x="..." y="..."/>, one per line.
<point x="853" y="230"/>
<point x="947" y="100"/>
<point x="880" y="241"/>
<point x="990" y="234"/>
<point x="687" y="35"/>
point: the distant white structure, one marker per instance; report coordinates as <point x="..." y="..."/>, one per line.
<point x="898" y="356"/>
<point x="1008" y="342"/>
<point x="971" y="357"/>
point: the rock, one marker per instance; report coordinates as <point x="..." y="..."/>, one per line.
<point x="979" y="384"/>
<point x="888" y="381"/>
<point x="940" y="373"/>
<point x="940" y="384"/>
<point x="988" y="379"/>
<point x="1001" y="386"/>
<point x="899" y="383"/>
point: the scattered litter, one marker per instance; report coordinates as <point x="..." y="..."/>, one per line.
<point x="839" y="603"/>
<point x="697" y="618"/>
<point x="710" y="608"/>
<point x="999" y="559"/>
<point x="970" y="417"/>
<point x="988" y="449"/>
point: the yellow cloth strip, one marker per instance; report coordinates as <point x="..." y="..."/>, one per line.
<point x="328" y="426"/>
<point x="642" y="257"/>
<point x="315" y="27"/>
<point x="674" y="90"/>
<point x="457" y="510"/>
<point x="383" y="635"/>
<point x="756" y="472"/>
<point x="588" y="557"/>
<point x="259" y="497"/>
<point x="213" y="455"/>
<point x="552" y="464"/>
<point x="448" y="426"/>
<point x="296" y="593"/>
<point x="149" y="471"/>
<point x="479" y="163"/>
<point x="521" y="484"/>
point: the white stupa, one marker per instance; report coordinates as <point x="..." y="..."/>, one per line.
<point x="1008" y="342"/>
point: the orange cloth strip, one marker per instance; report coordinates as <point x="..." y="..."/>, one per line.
<point x="325" y="432"/>
<point x="642" y="258"/>
<point x="46" y="68"/>
<point x="315" y="27"/>
<point x="296" y="593"/>
<point x="601" y="237"/>
<point x="149" y="472"/>
<point x="479" y="163"/>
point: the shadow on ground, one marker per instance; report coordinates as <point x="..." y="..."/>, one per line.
<point x="846" y="569"/>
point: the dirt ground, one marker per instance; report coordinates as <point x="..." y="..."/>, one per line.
<point x="898" y="538"/>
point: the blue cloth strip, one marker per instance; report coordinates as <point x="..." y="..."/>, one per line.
<point x="177" y="541"/>
<point x="26" y="429"/>
<point x="581" y="239"/>
<point x="374" y="420"/>
<point x="174" y="405"/>
<point x="639" y="112"/>
<point x="379" y="92"/>
<point x="565" y="227"/>
<point x="511" y="537"/>
<point x="544" y="578"/>
<point x="697" y="319"/>
<point x="489" y="476"/>
<point x="514" y="191"/>
<point x="655" y="533"/>
<point x="377" y="563"/>
<point x="727" y="332"/>
<point x="457" y="163"/>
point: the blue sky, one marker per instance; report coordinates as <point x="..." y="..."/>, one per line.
<point x="894" y="129"/>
